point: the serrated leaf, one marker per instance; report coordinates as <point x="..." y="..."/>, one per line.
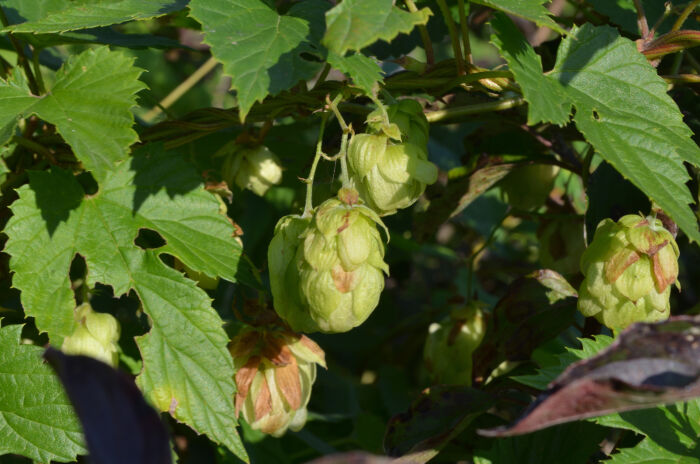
<point x="260" y="49"/>
<point x="187" y="368"/>
<point x="622" y="109"/>
<point x="36" y="418"/>
<point x="363" y="70"/>
<point x="648" y="452"/>
<point x="61" y="16"/>
<point x="355" y="24"/>
<point x="532" y="10"/>
<point x="91" y="98"/>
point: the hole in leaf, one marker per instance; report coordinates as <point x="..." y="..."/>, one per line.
<point x="148" y="239"/>
<point x="596" y="116"/>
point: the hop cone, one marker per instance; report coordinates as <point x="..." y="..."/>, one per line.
<point x="629" y="268"/>
<point x="275" y="370"/>
<point x="96" y="335"/>
<point x="392" y="174"/>
<point x="527" y="187"/>
<point x="561" y="244"/>
<point x="256" y="169"/>
<point x="450" y="344"/>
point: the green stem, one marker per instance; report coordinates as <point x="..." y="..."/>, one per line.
<point x="692" y="61"/>
<point x="37" y="70"/>
<point x="21" y="57"/>
<point x="459" y="111"/>
<point x="382" y="109"/>
<point x="684" y="15"/>
<point x="464" y="27"/>
<point x="322" y="77"/>
<point x="308" y="205"/>
<point x="456" y="48"/>
<point x="342" y="154"/>
<point x="181" y="89"/>
<point x="448" y="82"/>
<point x="425" y="37"/>
<point x="682" y="79"/>
<point x="677" y="60"/>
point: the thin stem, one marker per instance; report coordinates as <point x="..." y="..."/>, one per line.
<point x="344" y="178"/>
<point x="308" y="205"/>
<point x="662" y="18"/>
<point x="456" y="48"/>
<point x="682" y="79"/>
<point x="677" y="60"/>
<point x="459" y="111"/>
<point x="425" y="37"/>
<point x="37" y="71"/>
<point x="21" y="57"/>
<point x="322" y="77"/>
<point x="181" y="89"/>
<point x="464" y="27"/>
<point x="382" y="109"/>
<point x="641" y="20"/>
<point x="684" y="15"/>
<point x="692" y="61"/>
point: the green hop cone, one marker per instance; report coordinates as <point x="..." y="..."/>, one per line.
<point x="629" y="268"/>
<point x="275" y="370"/>
<point x="448" y="349"/>
<point x="95" y="335"/>
<point x="389" y="165"/>
<point x="256" y="169"/>
<point x="527" y="187"/>
<point x="561" y="244"/>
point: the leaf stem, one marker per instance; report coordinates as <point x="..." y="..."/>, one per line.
<point x="21" y="57"/>
<point x="464" y="27"/>
<point x="684" y="15"/>
<point x="425" y="37"/>
<point x="344" y="178"/>
<point x="308" y="205"/>
<point x="37" y="70"/>
<point x="641" y="20"/>
<point x="181" y="89"/>
<point x="456" y="48"/>
<point x="459" y="111"/>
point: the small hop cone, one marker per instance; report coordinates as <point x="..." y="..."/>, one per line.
<point x="275" y="370"/>
<point x="256" y="169"/>
<point x="450" y="344"/>
<point x="527" y="187"/>
<point x="629" y="268"/>
<point x="340" y="266"/>
<point x="562" y="244"/>
<point x="389" y="165"/>
<point x="95" y="335"/>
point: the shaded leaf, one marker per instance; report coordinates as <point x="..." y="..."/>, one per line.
<point x="355" y="24"/>
<point x="437" y="416"/>
<point x="261" y="50"/>
<point x="363" y="70"/>
<point x="532" y="10"/>
<point x="99" y="88"/>
<point x="622" y="109"/>
<point x="119" y="425"/>
<point x="36" y="418"/>
<point x="648" y="364"/>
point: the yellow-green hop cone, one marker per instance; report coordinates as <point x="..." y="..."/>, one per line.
<point x="256" y="169"/>
<point x="450" y="344"/>
<point x="341" y="266"/>
<point x="284" y="274"/>
<point x="275" y="370"/>
<point x="95" y="335"/>
<point x="629" y="268"/>
<point x="389" y="165"/>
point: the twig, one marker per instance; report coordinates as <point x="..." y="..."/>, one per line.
<point x="682" y="79"/>
<point x="456" y="48"/>
<point x="37" y="70"/>
<point x="459" y="111"/>
<point x="684" y="15"/>
<point x="464" y="28"/>
<point x="425" y="37"/>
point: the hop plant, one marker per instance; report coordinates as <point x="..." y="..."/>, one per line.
<point x="333" y="281"/>
<point x="527" y="187"/>
<point x="449" y="346"/>
<point x="562" y="244"/>
<point x="389" y="165"/>
<point x="95" y="335"/>
<point x="628" y="268"/>
<point x="203" y="281"/>
<point x="256" y="169"/>
<point x="275" y="370"/>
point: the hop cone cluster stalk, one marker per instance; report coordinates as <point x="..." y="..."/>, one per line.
<point x="275" y="370"/>
<point x="256" y="169"/>
<point x="449" y="346"/>
<point x="326" y="273"/>
<point x="389" y="165"/>
<point x="629" y="268"/>
<point x="95" y="335"/>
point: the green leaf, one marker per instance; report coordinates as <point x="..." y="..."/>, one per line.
<point x="36" y="418"/>
<point x="648" y="452"/>
<point x="187" y="368"/>
<point x="260" y="49"/>
<point x="532" y="10"/>
<point x="90" y="104"/>
<point x="355" y="24"/>
<point x="622" y="109"/>
<point x="60" y="16"/>
<point x="363" y="70"/>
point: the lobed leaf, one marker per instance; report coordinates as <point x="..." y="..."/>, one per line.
<point x="532" y="10"/>
<point x="36" y="418"/>
<point x="364" y="71"/>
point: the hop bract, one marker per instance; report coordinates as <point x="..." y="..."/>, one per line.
<point x="96" y="335"/>
<point x="256" y="169"/>
<point x="629" y="268"/>
<point x="275" y="370"/>
<point x="450" y="344"/>
<point x="389" y="165"/>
